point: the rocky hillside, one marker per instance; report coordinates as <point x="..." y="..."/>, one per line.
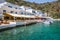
<point x="53" y="8"/>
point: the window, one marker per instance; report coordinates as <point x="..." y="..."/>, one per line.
<point x="10" y="6"/>
<point x="4" y="10"/>
<point x="15" y="7"/>
<point x="15" y="12"/>
<point x="21" y="13"/>
<point x="33" y="11"/>
<point x="28" y="13"/>
<point x="11" y="12"/>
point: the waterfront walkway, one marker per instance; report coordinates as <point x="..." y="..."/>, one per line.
<point x="9" y="23"/>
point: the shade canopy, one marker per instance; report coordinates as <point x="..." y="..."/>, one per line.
<point x="18" y="15"/>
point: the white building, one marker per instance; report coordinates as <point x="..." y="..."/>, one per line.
<point x="15" y="9"/>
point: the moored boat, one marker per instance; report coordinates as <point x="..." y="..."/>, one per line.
<point x="48" y="20"/>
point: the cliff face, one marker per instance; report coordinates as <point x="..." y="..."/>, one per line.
<point x="52" y="8"/>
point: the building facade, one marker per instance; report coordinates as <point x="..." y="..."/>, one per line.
<point x="15" y="9"/>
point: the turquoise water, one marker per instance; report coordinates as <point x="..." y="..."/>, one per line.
<point x="37" y="31"/>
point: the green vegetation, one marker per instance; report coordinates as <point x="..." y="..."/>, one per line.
<point x="53" y="8"/>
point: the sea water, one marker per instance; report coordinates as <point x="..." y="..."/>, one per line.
<point x="37" y="31"/>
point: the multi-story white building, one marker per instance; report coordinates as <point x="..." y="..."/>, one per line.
<point x="22" y="10"/>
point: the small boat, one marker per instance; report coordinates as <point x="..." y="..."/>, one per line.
<point x="48" y="21"/>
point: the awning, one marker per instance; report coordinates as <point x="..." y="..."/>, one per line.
<point x="18" y="15"/>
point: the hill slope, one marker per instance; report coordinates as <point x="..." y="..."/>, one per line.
<point x="52" y="8"/>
